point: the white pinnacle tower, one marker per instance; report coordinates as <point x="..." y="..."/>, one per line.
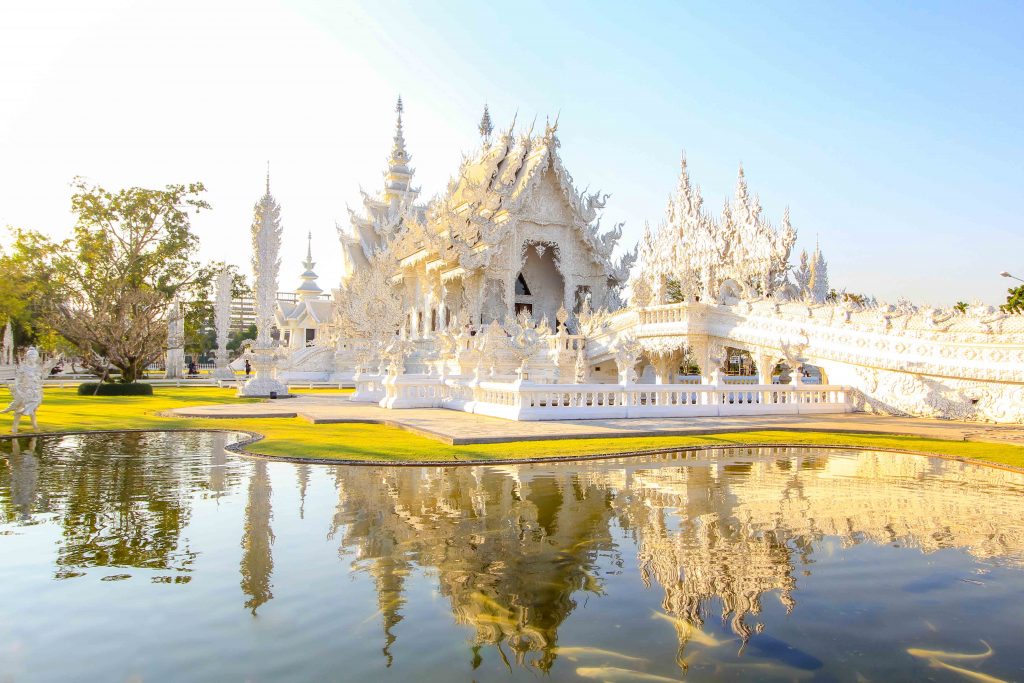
<point x="222" y="322"/>
<point x="819" y="276"/>
<point x="175" y="361"/>
<point x="7" y="347"/>
<point x="266" y="246"/>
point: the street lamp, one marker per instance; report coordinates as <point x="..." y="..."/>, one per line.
<point x="1006" y="274"/>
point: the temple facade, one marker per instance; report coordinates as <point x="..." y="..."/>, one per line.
<point x="510" y="234"/>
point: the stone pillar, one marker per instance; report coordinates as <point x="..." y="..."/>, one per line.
<point x="222" y="323"/>
<point x="766" y="363"/>
<point x="569" y="298"/>
<point x="666" y="365"/>
<point x="473" y="293"/>
<point x="706" y="354"/>
<point x="627" y="353"/>
<point x="175" y="363"/>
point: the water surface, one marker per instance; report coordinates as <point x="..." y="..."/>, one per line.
<point x="162" y="557"/>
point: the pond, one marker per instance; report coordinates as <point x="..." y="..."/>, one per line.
<point x="162" y="556"/>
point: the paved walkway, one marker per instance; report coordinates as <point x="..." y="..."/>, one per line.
<point x="456" y="428"/>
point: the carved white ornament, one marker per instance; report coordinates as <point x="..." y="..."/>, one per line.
<point x="27" y="388"/>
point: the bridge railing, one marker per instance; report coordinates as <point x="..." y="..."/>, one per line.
<point x="597" y="401"/>
<point x="665" y="313"/>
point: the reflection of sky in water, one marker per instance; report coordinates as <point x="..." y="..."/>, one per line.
<point x="164" y="557"/>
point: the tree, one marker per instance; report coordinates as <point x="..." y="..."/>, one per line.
<point x="200" y="332"/>
<point x="24" y="290"/>
<point x="239" y="336"/>
<point x="961" y="306"/>
<point x="1014" y="300"/>
<point x="131" y="253"/>
<point x="843" y="296"/>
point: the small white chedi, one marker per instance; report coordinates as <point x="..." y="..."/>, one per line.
<point x="501" y="296"/>
<point x="27" y="388"/>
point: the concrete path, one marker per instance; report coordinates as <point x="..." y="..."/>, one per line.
<point x="456" y="428"/>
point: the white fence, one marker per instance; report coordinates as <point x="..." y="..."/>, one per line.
<point x="525" y="401"/>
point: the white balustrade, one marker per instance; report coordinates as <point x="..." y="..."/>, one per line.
<point x="526" y="401"/>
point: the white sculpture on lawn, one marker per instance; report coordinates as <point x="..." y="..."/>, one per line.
<point x="27" y="388"/>
<point x="266" y="246"/>
<point x="222" y="323"/>
<point x="175" y="341"/>
<point x="7" y="347"/>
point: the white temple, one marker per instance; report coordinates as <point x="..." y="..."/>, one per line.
<point x="502" y="296"/>
<point x="510" y="233"/>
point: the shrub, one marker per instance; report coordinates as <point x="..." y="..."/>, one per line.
<point x="107" y="389"/>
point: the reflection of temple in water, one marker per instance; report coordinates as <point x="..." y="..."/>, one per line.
<point x="515" y="547"/>
<point x="508" y="552"/>
<point x="257" y="540"/>
<point x="512" y="545"/>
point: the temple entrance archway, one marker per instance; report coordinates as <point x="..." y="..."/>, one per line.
<point x="539" y="286"/>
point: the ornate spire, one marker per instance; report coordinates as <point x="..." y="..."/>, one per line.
<point x="398" y="179"/>
<point x="742" y="194"/>
<point x="268" y="177"/>
<point x="819" y="275"/>
<point x="486" y="127"/>
<point x="309" y="289"/>
<point x="398" y="153"/>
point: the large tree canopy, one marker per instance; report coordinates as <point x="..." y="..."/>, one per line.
<point x="132" y="252"/>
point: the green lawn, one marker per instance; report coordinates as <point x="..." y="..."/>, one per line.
<point x="64" y="410"/>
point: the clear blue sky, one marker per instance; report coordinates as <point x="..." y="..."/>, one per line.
<point x="893" y="131"/>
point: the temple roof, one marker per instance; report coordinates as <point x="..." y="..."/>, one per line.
<point x="477" y="212"/>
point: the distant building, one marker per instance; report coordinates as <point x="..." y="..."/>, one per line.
<point x="301" y="314"/>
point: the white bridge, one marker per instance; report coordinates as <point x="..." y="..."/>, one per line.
<point x="967" y="366"/>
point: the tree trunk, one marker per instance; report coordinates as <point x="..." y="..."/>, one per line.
<point x="129" y="371"/>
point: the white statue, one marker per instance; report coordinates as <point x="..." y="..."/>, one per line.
<point x="27" y="388"/>
<point x="222" y="322"/>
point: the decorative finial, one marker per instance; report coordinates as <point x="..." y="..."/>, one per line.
<point x="268" y="176"/>
<point x="309" y="246"/>
<point x="486" y="127"/>
<point x="398" y="153"/>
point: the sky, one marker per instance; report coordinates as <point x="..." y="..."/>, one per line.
<point x="893" y="131"/>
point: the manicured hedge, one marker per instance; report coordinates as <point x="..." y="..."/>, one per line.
<point x="107" y="389"/>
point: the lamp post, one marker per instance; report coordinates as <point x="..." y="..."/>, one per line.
<point x="1006" y="274"/>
